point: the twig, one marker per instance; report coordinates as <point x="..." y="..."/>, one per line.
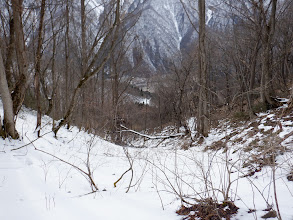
<point x="122" y="176"/>
<point x="30" y="141"/>
<point x="274" y="185"/>
<point x="130" y="160"/>
<point x="129" y="185"/>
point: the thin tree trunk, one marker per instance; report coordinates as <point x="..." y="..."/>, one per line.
<point x="66" y="41"/>
<point x="8" y="124"/>
<point x="228" y="90"/>
<point x="203" y="119"/>
<point x="83" y="37"/>
<point x="103" y="90"/>
<point x="38" y="67"/>
<point x="18" y="93"/>
<point x="115" y="94"/>
<point x="253" y="67"/>
<point x="8" y="63"/>
<point x="290" y="103"/>
<point x="252" y="71"/>
<point x="54" y="83"/>
<point x="83" y="59"/>
<point x="267" y="91"/>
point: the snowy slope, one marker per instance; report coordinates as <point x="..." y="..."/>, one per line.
<point x="35" y="185"/>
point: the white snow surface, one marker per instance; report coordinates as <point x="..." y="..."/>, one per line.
<point x="37" y="186"/>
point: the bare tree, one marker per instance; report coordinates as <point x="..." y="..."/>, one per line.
<point x="50" y="96"/>
<point x="203" y="117"/>
<point x="107" y="43"/>
<point x="18" y="93"/>
<point x="38" y="67"/>
<point x="269" y="24"/>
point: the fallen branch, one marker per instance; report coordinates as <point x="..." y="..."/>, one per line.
<point x="152" y="137"/>
<point x="31" y="142"/>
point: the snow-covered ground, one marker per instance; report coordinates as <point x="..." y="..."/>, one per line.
<point x="35" y="185"/>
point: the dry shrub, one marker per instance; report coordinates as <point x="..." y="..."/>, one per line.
<point x="208" y="209"/>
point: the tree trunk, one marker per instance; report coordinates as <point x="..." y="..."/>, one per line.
<point x="8" y="123"/>
<point x="290" y="103"/>
<point x="267" y="91"/>
<point x="102" y="89"/>
<point x="203" y="118"/>
<point x="51" y="97"/>
<point x="38" y="67"/>
<point x="115" y="95"/>
<point x="66" y="42"/>
<point x="252" y="71"/>
<point x="8" y="63"/>
<point x="83" y="37"/>
<point x="18" y="93"/>
<point x="83" y="59"/>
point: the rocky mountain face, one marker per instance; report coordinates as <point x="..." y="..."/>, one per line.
<point x="164" y="30"/>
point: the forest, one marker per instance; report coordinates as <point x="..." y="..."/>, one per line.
<point x="77" y="62"/>
<point x="83" y="64"/>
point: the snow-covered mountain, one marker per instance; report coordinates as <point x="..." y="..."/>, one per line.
<point x="163" y="29"/>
